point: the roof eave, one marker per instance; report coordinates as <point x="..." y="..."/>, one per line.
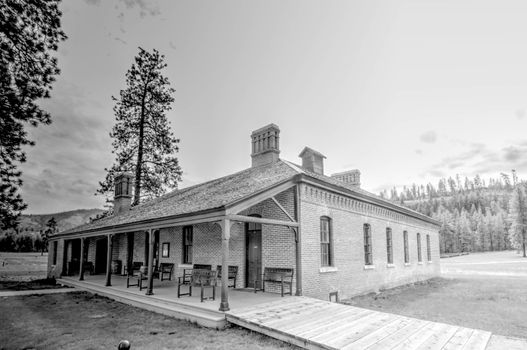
<point x="312" y="180"/>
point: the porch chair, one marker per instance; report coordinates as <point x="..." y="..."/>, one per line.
<point x="165" y="271"/>
<point x="200" y="278"/>
<point x="139" y="277"/>
<point x="136" y="265"/>
<point x="187" y="273"/>
<point x="233" y="274"/>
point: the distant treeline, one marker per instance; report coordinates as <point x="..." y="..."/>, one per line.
<point x="22" y="242"/>
<point x="474" y="215"/>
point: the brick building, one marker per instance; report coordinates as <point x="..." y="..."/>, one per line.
<point x="335" y="236"/>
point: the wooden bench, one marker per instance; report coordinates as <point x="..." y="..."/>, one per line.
<point x="136" y="265"/>
<point x="87" y="266"/>
<point x="187" y="273"/>
<point x="283" y="276"/>
<point x="199" y="278"/>
<point x="233" y="274"/>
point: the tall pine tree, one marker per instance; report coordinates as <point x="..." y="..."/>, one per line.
<point x="143" y="143"/>
<point x="29" y="32"/>
<point x="518" y="217"/>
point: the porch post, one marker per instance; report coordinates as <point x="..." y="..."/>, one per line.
<point x="150" y="288"/>
<point x="298" y="242"/>
<point x="109" y="262"/>
<point x="81" y="264"/>
<point x="225" y="236"/>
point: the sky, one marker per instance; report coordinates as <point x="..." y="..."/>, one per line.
<point x="404" y="91"/>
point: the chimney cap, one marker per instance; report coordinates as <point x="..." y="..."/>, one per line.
<point x="310" y="151"/>
<point x="265" y="128"/>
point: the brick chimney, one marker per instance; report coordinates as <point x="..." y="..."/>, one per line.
<point x="123" y="193"/>
<point x="265" y="145"/>
<point x="312" y="160"/>
<point x="351" y="177"/>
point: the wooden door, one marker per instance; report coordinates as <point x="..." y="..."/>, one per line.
<point x="101" y="252"/>
<point x="253" y="253"/>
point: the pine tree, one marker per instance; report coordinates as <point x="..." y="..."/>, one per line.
<point x="518" y="217"/>
<point x="143" y="142"/>
<point x="29" y="32"/>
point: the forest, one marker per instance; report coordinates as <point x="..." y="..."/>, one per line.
<point x="475" y="215"/>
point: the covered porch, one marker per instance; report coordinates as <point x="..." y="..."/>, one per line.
<point x="258" y="232"/>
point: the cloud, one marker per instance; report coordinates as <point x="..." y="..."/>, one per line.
<point x="419" y="151"/>
<point x="520" y="113"/>
<point x="172" y="45"/>
<point x="429" y="137"/>
<point x="479" y="159"/>
<point x="63" y="169"/>
<point x="93" y="2"/>
<point x="146" y="8"/>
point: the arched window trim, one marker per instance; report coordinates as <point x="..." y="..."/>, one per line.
<point x="419" y="254"/>
<point x="406" y="249"/>
<point x="389" y="246"/>
<point x="368" y="256"/>
<point x="326" y="242"/>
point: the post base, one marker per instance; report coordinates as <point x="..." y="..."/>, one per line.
<point x="224" y="306"/>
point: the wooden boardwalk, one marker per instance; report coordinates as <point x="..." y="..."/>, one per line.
<point x="317" y="324"/>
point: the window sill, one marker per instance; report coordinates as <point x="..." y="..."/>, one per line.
<point x="407" y="264"/>
<point x="390" y="266"/>
<point x="420" y="263"/>
<point x="185" y="266"/>
<point x="429" y="261"/>
<point x="326" y="269"/>
<point x="369" y="267"/>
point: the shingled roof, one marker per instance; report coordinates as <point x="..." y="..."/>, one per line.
<point x="214" y="194"/>
<point x="218" y="193"/>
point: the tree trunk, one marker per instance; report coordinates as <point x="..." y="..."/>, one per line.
<point x="138" y="167"/>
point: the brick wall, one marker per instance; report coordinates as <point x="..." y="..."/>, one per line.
<point x="348" y="275"/>
<point x="55" y="270"/>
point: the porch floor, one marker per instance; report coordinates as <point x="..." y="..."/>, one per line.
<point x="205" y="313"/>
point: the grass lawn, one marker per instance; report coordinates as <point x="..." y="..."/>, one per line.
<point x="22" y="266"/>
<point x="485" y="291"/>
<point x="81" y="320"/>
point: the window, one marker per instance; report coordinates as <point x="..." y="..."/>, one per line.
<point x="419" y="257"/>
<point x="428" y="252"/>
<point x="165" y="250"/>
<point x="406" y="251"/>
<point x="187" y="245"/>
<point x="326" y="257"/>
<point x="55" y="248"/>
<point x="389" y="245"/>
<point x="368" y="259"/>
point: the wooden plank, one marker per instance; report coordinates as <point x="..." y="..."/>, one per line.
<point x="351" y="334"/>
<point x="309" y="313"/>
<point x="323" y="327"/>
<point x="459" y="339"/>
<point x="337" y="317"/>
<point x="302" y="343"/>
<point x="416" y="339"/>
<point x="321" y="316"/>
<point x="381" y="333"/>
<point x="399" y="336"/>
<point x="263" y="307"/>
<point x="437" y="340"/>
<point x="275" y="312"/>
<point x="339" y="333"/>
<point x="478" y="340"/>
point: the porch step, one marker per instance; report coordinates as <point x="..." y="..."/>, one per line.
<point x="204" y="317"/>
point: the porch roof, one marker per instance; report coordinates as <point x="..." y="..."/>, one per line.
<point x="206" y="197"/>
<point x="216" y="195"/>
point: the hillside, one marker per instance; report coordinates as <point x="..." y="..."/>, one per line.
<point x="65" y="220"/>
<point x="474" y="215"/>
